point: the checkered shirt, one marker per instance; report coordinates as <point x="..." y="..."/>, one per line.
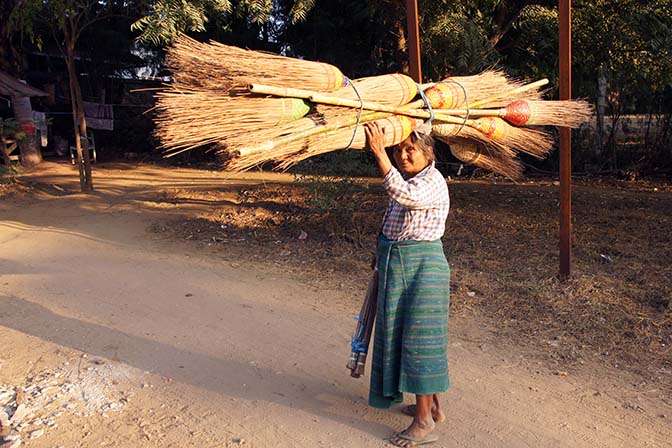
<point x="418" y="207"/>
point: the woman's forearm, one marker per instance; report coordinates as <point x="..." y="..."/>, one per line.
<point x="375" y="140"/>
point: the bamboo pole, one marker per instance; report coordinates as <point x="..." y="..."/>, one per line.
<point x="409" y="110"/>
<point x="319" y="98"/>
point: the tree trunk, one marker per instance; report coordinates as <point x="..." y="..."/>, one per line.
<point x="402" y="47"/>
<point x="600" y="110"/>
<point x="79" y="123"/>
<point x="23" y="112"/>
<point x="3" y="149"/>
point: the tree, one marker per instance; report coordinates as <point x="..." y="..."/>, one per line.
<point x="10" y="62"/>
<point x="67" y="20"/>
<point x="165" y="19"/>
<point x="626" y="61"/>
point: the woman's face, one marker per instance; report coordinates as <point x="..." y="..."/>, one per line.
<point x="410" y="159"/>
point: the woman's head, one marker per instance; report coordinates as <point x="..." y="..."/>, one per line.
<point x="414" y="154"/>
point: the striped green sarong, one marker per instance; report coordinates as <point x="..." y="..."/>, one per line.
<point x="409" y="346"/>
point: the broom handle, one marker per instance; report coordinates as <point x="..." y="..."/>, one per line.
<point x="408" y="110"/>
<point x="365" y="118"/>
<point x="316" y="97"/>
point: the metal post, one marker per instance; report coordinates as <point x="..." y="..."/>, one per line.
<point x="565" y="36"/>
<point x="413" y="40"/>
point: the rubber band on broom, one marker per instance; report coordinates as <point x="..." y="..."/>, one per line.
<point x="359" y="114"/>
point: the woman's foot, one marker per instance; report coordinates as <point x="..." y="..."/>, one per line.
<point x="419" y="433"/>
<point x="437" y="413"/>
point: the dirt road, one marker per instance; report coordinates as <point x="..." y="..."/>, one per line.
<point x="123" y="339"/>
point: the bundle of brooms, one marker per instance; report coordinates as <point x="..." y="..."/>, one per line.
<point x="254" y="107"/>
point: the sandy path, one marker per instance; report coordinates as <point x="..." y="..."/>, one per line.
<point x="208" y="355"/>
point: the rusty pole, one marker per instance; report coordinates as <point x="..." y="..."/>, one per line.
<point x="565" y="63"/>
<point x="413" y="39"/>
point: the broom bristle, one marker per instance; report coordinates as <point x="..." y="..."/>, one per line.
<point x="534" y="142"/>
<point x="393" y="89"/>
<point x="397" y="129"/>
<point x="193" y="118"/>
<point x="459" y="91"/>
<point x="219" y="67"/>
<point x="444" y="131"/>
<point x="483" y="156"/>
<point x="555" y="113"/>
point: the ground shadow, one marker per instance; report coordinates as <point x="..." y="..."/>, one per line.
<point x="182" y="365"/>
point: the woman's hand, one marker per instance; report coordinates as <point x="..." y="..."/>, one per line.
<point x="375" y="142"/>
<point x="375" y="137"/>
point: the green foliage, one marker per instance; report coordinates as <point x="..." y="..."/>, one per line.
<point x="340" y="163"/>
<point x="9" y="128"/>
<point x="456" y="45"/>
<point x="165" y="19"/>
<point x="534" y="51"/>
<point x="300" y="10"/>
<point x="326" y="194"/>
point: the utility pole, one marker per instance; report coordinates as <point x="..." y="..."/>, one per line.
<point x="565" y="38"/>
<point x="413" y="40"/>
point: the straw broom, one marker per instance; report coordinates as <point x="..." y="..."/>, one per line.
<point x="187" y="116"/>
<point x="566" y="113"/>
<point x="484" y="156"/>
<point x="220" y="67"/>
<point x="188" y="119"/>
<point x="536" y="143"/>
<point x="329" y="114"/>
<point x="392" y="89"/>
<point x="333" y="138"/>
<point x="385" y="90"/>
<point x="461" y="91"/>
<point x="198" y="59"/>
<point x="397" y="129"/>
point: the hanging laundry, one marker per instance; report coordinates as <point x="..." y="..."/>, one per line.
<point x="99" y="116"/>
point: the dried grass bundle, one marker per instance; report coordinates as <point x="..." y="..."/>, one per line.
<point x="534" y="142"/>
<point x="397" y="129"/>
<point x="333" y="138"/>
<point x="220" y="67"/>
<point x="555" y="113"/>
<point x="459" y="91"/>
<point x="484" y="156"/>
<point x="194" y="118"/>
<point x="393" y="89"/>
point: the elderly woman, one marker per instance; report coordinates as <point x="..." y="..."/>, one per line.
<point x="409" y="352"/>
